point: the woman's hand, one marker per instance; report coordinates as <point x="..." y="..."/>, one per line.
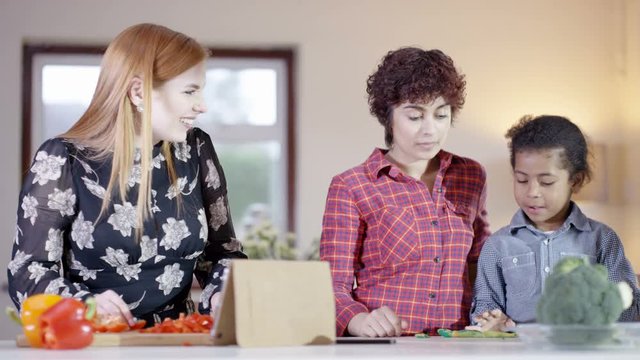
<point x="380" y="322"/>
<point x="494" y="320"/>
<point x="111" y="304"/>
<point x="216" y="301"/>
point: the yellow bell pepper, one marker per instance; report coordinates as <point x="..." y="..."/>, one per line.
<point x="32" y="308"/>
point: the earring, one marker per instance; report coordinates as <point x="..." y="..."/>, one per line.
<point x="139" y="108"/>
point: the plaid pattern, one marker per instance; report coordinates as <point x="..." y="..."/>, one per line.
<point x="403" y="246"/>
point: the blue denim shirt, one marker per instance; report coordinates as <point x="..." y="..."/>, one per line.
<point x="517" y="259"/>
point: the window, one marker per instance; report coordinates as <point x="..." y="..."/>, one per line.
<point x="250" y="118"/>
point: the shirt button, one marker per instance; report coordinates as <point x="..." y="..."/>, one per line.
<point x="436" y="259"/>
<point x="546" y="269"/>
<point x="432" y="295"/>
<point x="434" y="222"/>
<point x="440" y="190"/>
<point x="546" y="241"/>
<point x="515" y="260"/>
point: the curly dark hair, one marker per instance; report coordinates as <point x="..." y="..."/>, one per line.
<point x="412" y="74"/>
<point x="553" y="132"/>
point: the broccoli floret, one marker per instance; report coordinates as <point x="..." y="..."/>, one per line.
<point x="579" y="293"/>
<point x="567" y="264"/>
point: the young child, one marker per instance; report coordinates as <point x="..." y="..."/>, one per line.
<point x="549" y="160"/>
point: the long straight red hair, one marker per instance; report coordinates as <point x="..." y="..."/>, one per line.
<point x="108" y="127"/>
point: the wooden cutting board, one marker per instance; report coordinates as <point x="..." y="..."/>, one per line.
<point x="134" y="338"/>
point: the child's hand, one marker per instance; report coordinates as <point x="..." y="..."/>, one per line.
<point x="494" y="320"/>
<point x="380" y="322"/>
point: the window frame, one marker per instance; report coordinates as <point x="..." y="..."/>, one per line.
<point x="31" y="50"/>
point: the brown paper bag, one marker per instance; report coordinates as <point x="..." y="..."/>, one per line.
<point x="276" y="303"/>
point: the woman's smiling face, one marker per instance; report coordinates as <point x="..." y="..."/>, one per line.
<point x="177" y="103"/>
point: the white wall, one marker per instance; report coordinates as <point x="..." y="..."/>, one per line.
<point x="520" y="57"/>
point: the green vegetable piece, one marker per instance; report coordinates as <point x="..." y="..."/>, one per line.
<point x="475" y="334"/>
<point x="468" y="334"/>
<point x="579" y="293"/>
<point x="499" y="334"/>
<point x="445" y="332"/>
<point x="567" y="264"/>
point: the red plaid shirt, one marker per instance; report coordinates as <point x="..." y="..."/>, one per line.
<point x="403" y="246"/>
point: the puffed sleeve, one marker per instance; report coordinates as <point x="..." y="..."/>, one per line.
<point x="221" y="245"/>
<point x="342" y="234"/>
<point x="46" y="209"/>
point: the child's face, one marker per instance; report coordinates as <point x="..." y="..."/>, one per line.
<point x="542" y="188"/>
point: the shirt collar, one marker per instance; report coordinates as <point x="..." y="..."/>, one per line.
<point x="377" y="164"/>
<point x="575" y="218"/>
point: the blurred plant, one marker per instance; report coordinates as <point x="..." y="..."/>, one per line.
<point x="263" y="241"/>
<point x="314" y="250"/>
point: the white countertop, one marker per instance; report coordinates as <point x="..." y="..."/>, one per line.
<point x="405" y="348"/>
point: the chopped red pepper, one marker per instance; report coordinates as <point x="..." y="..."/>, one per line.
<point x="115" y="324"/>
<point x="193" y="323"/>
<point x="66" y="324"/>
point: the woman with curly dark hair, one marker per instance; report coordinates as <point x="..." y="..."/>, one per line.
<point x="403" y="230"/>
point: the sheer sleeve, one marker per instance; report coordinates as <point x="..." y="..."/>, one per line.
<point x="221" y="245"/>
<point x="46" y="209"/>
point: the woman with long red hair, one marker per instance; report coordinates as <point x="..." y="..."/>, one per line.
<point x="131" y="201"/>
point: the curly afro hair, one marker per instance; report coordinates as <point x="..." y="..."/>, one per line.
<point x="547" y="132"/>
<point x="414" y="75"/>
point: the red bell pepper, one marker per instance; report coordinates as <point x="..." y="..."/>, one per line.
<point x="67" y="324"/>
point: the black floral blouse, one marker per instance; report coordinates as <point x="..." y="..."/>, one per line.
<point x="62" y="247"/>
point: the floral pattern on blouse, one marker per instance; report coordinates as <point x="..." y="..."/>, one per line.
<point x="64" y="245"/>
